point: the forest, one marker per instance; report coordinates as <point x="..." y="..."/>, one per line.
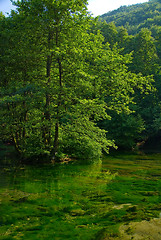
<point x="76" y="86"/>
<point x="136" y="29"/>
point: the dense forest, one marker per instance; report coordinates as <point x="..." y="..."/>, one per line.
<point x="136" y="29"/>
<point x="136" y="17"/>
<point x="74" y="86"/>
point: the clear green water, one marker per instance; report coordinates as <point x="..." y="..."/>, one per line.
<point x="78" y="200"/>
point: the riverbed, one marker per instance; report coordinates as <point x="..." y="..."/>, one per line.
<point x="82" y="200"/>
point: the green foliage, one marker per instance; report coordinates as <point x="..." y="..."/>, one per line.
<point x="44" y="81"/>
<point x="79" y="142"/>
<point x="125" y="128"/>
<point x="60" y="77"/>
<point x="135" y="17"/>
<point x="145" y="54"/>
<point x="143" y="21"/>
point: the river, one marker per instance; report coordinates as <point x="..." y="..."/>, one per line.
<point x="78" y="200"/>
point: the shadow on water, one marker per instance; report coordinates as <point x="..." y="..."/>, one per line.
<point x="78" y="200"/>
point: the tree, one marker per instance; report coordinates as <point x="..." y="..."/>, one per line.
<point x="109" y="32"/>
<point x="51" y="79"/>
<point x="125" y="128"/>
<point x="145" y="57"/>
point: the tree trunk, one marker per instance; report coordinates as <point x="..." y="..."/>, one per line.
<point x="56" y="138"/>
<point x="47" y="128"/>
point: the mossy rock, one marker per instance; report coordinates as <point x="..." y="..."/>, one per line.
<point x="77" y="212"/>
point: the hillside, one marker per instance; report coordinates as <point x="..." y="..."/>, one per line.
<point x="135" y="17"/>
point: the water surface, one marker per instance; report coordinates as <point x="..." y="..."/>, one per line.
<point x="78" y="200"/>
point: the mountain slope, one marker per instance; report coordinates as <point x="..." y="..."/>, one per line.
<point x="135" y="17"/>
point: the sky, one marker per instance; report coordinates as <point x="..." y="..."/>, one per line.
<point x="96" y="7"/>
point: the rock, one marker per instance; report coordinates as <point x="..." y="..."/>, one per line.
<point x="145" y="230"/>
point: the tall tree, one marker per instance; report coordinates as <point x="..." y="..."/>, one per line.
<point x="145" y="55"/>
<point x="51" y="50"/>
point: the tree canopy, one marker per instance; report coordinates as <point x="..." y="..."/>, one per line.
<point x="61" y="79"/>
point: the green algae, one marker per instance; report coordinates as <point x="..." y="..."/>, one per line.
<point x="79" y="200"/>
